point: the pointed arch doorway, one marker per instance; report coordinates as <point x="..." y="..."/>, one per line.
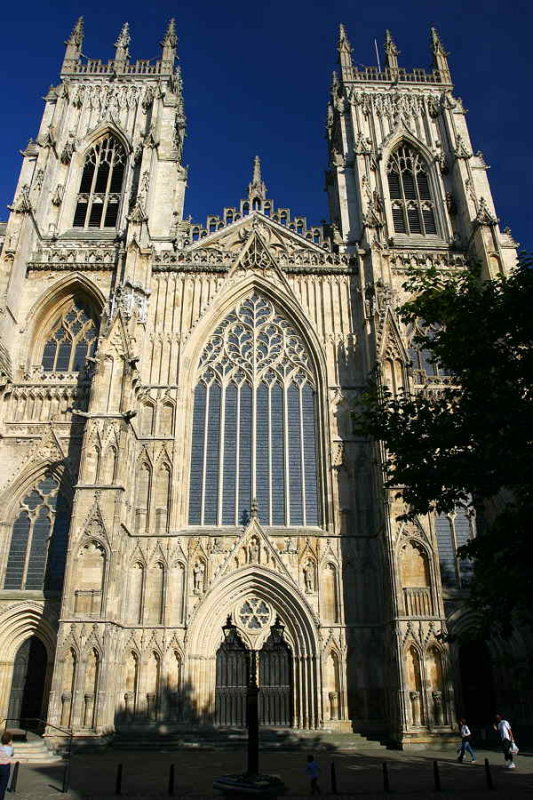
<point x="274" y="681"/>
<point x="27" y="685"/>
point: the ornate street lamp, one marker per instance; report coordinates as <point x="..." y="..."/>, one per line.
<point x="250" y="783"/>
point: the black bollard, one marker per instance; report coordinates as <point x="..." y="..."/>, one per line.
<point x="118" y="781"/>
<point x="333" y="779"/>
<point x="15" y="777"/>
<point x="488" y="775"/>
<point x="171" y="780"/>
<point x="386" y="785"/>
<point x="436" y="776"/>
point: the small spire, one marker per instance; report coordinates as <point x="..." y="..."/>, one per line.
<point x="168" y="45"/>
<point x="73" y="46"/>
<point x="257" y="188"/>
<point x="255" y="508"/>
<point x="344" y="50"/>
<point x="122" y="53"/>
<point x="391" y="52"/>
<point x="440" y="56"/>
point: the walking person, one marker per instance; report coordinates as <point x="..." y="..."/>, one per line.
<point x="6" y="753"/>
<point x="466" y="747"/>
<point x="312" y="770"/>
<point x="503" y="727"/>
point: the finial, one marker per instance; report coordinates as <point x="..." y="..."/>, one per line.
<point x="344" y="49"/>
<point x="170" y="39"/>
<point x="122" y="43"/>
<point x="76" y="36"/>
<point x="391" y="52"/>
<point x="440" y="57"/>
<point x="73" y="47"/>
<point x="257" y="189"/>
<point x="254" y="509"/>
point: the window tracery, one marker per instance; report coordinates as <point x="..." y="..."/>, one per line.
<point x="101" y="185"/>
<point x="254" y="423"/>
<point x="37" y="549"/>
<point x="412" y="205"/>
<point x="72" y="341"/>
<point x="424" y="367"/>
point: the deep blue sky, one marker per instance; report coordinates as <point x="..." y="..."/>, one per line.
<point x="256" y="77"/>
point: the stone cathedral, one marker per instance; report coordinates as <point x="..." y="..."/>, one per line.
<point x="180" y="478"/>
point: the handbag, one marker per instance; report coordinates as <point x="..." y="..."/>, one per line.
<point x="513" y="749"/>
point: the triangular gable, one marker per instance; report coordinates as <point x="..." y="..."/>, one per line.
<point x="253" y="547"/>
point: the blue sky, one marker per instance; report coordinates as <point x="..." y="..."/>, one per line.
<point x="256" y="78"/>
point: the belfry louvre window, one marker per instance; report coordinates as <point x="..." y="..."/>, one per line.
<point x="101" y="185"/>
<point x="38" y="546"/>
<point x="254" y="423"/>
<point x="412" y="206"/>
<point x="72" y="340"/>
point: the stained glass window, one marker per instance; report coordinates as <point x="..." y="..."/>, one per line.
<point x="254" y="423"/>
<point x="101" y="185"/>
<point x="38" y="546"/>
<point x="73" y="339"/>
<point x="410" y="194"/>
<point x="454" y="531"/>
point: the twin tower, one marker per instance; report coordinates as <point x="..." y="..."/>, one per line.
<point x="176" y="417"/>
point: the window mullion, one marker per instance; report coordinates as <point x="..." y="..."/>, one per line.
<point x="237" y="453"/>
<point x="222" y="435"/>
<point x="107" y="189"/>
<point x="269" y="401"/>
<point x="93" y="187"/>
<point x="286" y="454"/>
<point x="28" y="550"/>
<point x="419" y="205"/>
<point x="404" y="202"/>
<point x="302" y="455"/>
<point x="204" y="459"/>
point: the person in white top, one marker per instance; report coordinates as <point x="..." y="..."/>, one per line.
<point x="465" y="734"/>
<point x="6" y="752"/>
<point x="506" y="735"/>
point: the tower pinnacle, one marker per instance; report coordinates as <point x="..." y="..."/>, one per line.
<point x="391" y="52"/>
<point x="168" y="47"/>
<point x="122" y="53"/>
<point x="440" y="56"/>
<point x="345" y="52"/>
<point x="73" y="46"/>
<point x="257" y="188"/>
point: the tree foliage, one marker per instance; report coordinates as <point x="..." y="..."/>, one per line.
<point x="470" y="442"/>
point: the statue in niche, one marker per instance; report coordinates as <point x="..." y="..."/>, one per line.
<point x="309" y="577"/>
<point x="199" y="576"/>
<point x="254" y="550"/>
<point x="290" y="547"/>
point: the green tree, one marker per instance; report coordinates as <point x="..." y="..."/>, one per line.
<point x="471" y="442"/>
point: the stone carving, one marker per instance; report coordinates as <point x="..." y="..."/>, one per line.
<point x="199" y="577"/>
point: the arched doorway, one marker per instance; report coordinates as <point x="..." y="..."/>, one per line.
<point x="27" y="686"/>
<point x="477" y="684"/>
<point x="275" y="683"/>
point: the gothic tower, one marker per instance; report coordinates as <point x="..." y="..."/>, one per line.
<point x="180" y="478"/>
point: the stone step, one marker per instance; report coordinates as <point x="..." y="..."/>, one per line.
<point x="34" y="751"/>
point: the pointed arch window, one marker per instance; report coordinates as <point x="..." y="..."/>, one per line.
<point x="72" y="340"/>
<point x="255" y="423"/>
<point x="37" y="550"/>
<point x="413" y="211"/>
<point x="101" y="186"/>
<point x="425" y="368"/>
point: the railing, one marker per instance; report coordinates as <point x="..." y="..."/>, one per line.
<point x="67" y="732"/>
<point x="393" y="75"/>
<point x="418" y="602"/>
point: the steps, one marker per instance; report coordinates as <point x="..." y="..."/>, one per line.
<point x="236" y="739"/>
<point x="34" y="751"/>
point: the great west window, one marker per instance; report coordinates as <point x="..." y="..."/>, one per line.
<point x="254" y="423"/>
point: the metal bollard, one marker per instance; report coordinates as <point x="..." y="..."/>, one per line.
<point x="118" y="781"/>
<point x="436" y="776"/>
<point x="15" y="777"/>
<point x="386" y="784"/>
<point x="333" y="779"/>
<point x="488" y="775"/>
<point x="171" y="780"/>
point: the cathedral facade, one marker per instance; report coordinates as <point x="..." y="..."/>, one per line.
<point x="180" y="476"/>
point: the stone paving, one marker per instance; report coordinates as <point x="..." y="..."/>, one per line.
<point x="359" y="775"/>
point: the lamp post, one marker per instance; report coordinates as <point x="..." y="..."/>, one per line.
<point x="251" y="783"/>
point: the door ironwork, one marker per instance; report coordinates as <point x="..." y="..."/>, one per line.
<point x="232" y="680"/>
<point x="275" y="682"/>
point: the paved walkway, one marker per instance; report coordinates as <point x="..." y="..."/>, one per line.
<point x="359" y="775"/>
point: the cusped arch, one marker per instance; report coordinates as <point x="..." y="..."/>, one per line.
<point x="205" y="630"/>
<point x="14" y="491"/>
<point x="103" y="129"/>
<point x="404" y="136"/>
